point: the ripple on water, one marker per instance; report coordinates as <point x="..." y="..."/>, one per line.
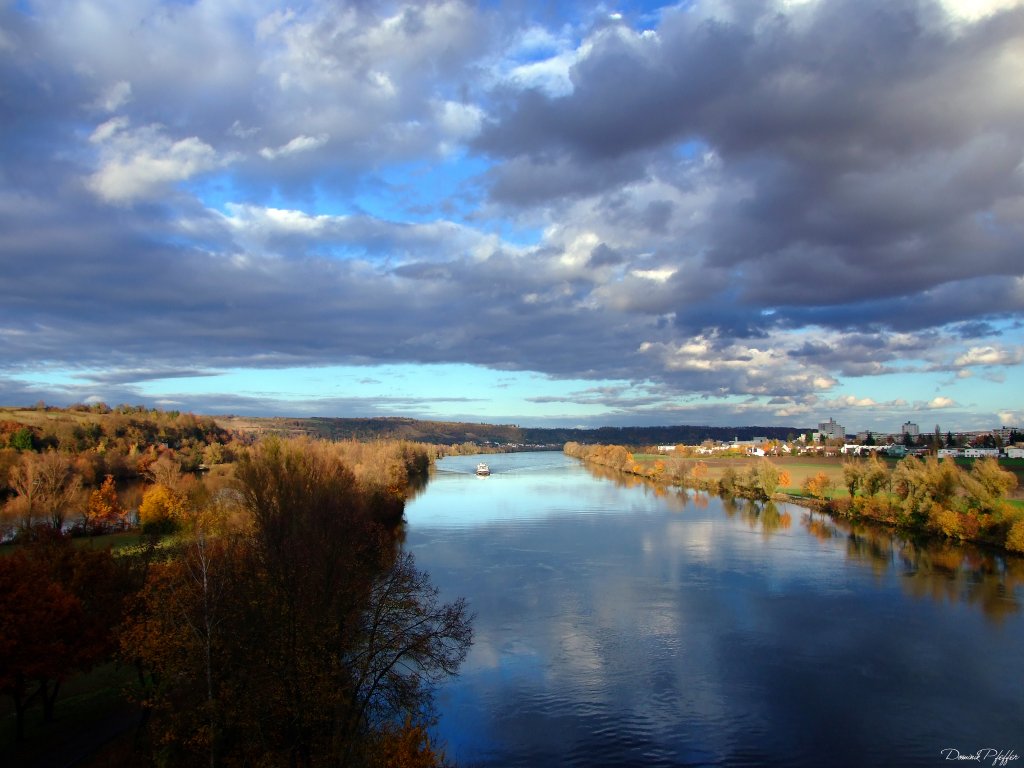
<point x="614" y="630"/>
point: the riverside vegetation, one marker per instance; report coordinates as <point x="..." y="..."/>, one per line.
<point x="934" y="496"/>
<point x="265" y="612"/>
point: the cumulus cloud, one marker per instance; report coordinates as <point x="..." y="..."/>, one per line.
<point x="990" y="355"/>
<point x="141" y="162"/>
<point x="773" y="202"/>
<point x="1011" y="418"/>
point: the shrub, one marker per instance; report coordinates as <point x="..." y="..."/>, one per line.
<point x="1015" y="538"/>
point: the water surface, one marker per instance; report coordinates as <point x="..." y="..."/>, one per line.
<point x="617" y="625"/>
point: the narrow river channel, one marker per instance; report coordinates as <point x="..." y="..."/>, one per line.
<point x="619" y="625"/>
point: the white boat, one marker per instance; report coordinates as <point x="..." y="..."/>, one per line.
<point x="483" y="469"/>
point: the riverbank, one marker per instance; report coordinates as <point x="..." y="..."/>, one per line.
<point x="930" y="498"/>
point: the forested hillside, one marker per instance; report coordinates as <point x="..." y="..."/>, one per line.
<point x="452" y="433"/>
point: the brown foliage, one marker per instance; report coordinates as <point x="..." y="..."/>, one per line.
<point x="46" y="487"/>
<point x="300" y="640"/>
<point x="59" y="606"/>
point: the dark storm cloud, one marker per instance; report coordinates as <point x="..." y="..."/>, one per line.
<point x="879" y="151"/>
<point x="133" y="376"/>
<point x="969" y="300"/>
<point x="603" y="256"/>
<point x="100" y="295"/>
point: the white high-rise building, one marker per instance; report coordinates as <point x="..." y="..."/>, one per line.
<point x="829" y="429"/>
<point x="910" y="428"/>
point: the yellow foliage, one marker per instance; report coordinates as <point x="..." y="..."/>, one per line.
<point x="407" y="747"/>
<point x="948" y="521"/>
<point x="1015" y="538"/>
<point x="161" y="505"/>
<point x="819" y="485"/>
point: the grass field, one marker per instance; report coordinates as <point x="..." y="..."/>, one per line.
<point x="112" y="541"/>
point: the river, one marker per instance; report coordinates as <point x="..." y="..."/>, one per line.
<point x="618" y="624"/>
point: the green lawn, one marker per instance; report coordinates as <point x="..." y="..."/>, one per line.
<point x="113" y="541"/>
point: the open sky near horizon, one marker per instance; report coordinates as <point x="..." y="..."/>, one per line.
<point x="736" y="212"/>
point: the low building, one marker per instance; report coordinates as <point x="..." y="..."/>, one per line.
<point x="980" y="453"/>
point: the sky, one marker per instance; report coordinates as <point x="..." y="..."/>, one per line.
<point x="742" y="212"/>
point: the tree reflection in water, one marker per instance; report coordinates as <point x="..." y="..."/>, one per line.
<point x="932" y="568"/>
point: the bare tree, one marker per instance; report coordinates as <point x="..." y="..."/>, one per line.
<point x="46" y="487"/>
<point x="165" y="471"/>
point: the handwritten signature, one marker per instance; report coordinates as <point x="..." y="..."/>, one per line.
<point x="997" y="756"/>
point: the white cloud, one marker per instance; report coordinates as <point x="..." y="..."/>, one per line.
<point x="959" y="10"/>
<point x="856" y="402"/>
<point x="539" y="59"/>
<point x="1011" y="418"/>
<point x="139" y="163"/>
<point x="253" y="220"/>
<point x="259" y="229"/>
<point x="655" y="275"/>
<point x="550" y="75"/>
<point x="990" y="355"/>
<point x="298" y="144"/>
<point x="458" y="121"/>
<point x="974" y="10"/>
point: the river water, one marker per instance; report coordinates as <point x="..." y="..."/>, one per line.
<point x="621" y="625"/>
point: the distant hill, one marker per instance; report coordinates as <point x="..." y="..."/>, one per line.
<point x="453" y="433"/>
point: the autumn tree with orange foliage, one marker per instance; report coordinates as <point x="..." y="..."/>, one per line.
<point x="105" y="509"/>
<point x="819" y="486"/>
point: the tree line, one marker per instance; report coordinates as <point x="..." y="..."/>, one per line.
<point x="935" y="495"/>
<point x="931" y="495"/>
<point x="270" y="614"/>
<point x="760" y="482"/>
